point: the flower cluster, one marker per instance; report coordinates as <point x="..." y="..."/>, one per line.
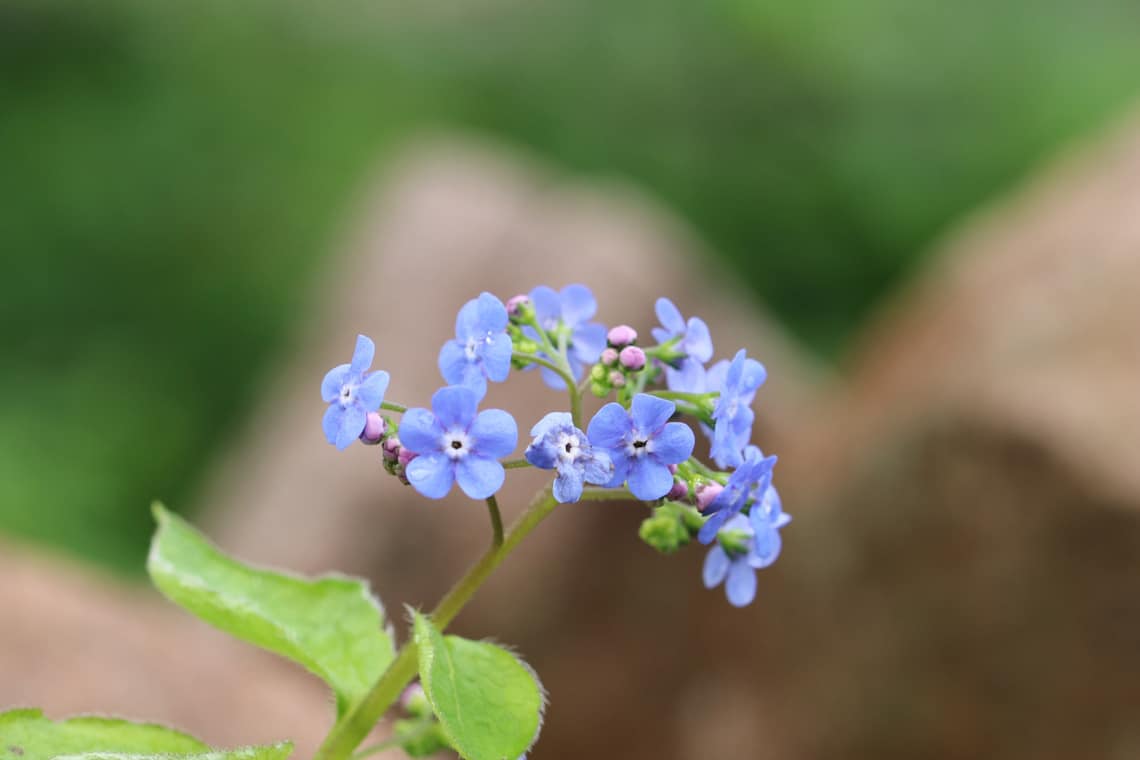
<point x="640" y="445"/>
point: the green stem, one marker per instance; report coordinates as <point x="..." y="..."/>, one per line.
<point x="696" y="398"/>
<point x="347" y="734"/>
<point x="543" y="362"/>
<point x="496" y="521"/>
<point x="516" y="464"/>
<point x="393" y="407"/>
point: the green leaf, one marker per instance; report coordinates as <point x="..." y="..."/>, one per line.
<point x="332" y="625"/>
<point x="488" y="702"/>
<point x="28" y="735"/>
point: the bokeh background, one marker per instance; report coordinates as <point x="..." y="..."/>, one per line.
<point x="177" y="178"/>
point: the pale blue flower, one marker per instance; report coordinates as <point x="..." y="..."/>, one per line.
<point x="642" y="443"/>
<point x="351" y="392"/>
<point x="568" y="311"/>
<point x="737" y="568"/>
<point x="453" y="443"/>
<point x="559" y="445"/>
<point x="747" y="482"/>
<point x="481" y="349"/>
<point x="693" y="335"/>
<point x="733" y="414"/>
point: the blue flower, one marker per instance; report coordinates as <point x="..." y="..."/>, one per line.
<point x="694" y="334"/>
<point x="481" y="349"/>
<point x="559" y="445"/>
<point x="733" y="414"/>
<point x="642" y="443"/>
<point x="453" y="443"/>
<point x="752" y="478"/>
<point x="568" y="312"/>
<point x="352" y="392"/>
<point x="767" y="516"/>
<point x="737" y="568"/>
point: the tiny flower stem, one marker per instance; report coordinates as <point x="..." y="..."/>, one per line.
<point x="393" y="407"/>
<point x="696" y="398"/>
<point x="516" y="464"/>
<point x="496" y="522"/>
<point x="543" y="362"/>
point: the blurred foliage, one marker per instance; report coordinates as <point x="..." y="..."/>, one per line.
<point x="172" y="174"/>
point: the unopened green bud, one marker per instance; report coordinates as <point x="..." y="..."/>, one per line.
<point x="734" y="541"/>
<point x="419" y="738"/>
<point x="601" y="390"/>
<point x="598" y="373"/>
<point x="526" y="346"/>
<point x="663" y="531"/>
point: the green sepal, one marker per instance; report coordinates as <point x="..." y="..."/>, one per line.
<point x="28" y="735"/>
<point x="331" y="625"/>
<point x="489" y="703"/>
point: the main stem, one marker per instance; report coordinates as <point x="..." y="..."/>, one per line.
<point x="351" y="731"/>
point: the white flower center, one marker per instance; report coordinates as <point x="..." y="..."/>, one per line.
<point x="456" y="443"/>
<point x="639" y="445"/>
<point x="346" y="394"/>
<point x="472" y="348"/>
<point x="569" y="447"/>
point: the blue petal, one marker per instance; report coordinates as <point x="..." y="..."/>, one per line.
<point x="334" y="380"/>
<point x="609" y="427"/>
<point x="588" y="342"/>
<point x="649" y="480"/>
<point x="452" y="361"/>
<point x="467" y="321"/>
<point x="541" y="455"/>
<point x="709" y="530"/>
<point x="552" y="378"/>
<point x="674" y="444"/>
<point x="552" y="421"/>
<point x="766" y="545"/>
<point x="497" y="357"/>
<point x="420" y="432"/>
<point x="431" y="474"/>
<point x="753" y="376"/>
<point x="362" y="356"/>
<point x="479" y="477"/>
<point x="331" y="422"/>
<point x="689" y="378"/>
<point x="370" y="393"/>
<point x="660" y="334"/>
<point x="599" y="468"/>
<point x="454" y="406"/>
<point x="650" y="413"/>
<point x="771" y="505"/>
<point x="492" y="314"/>
<point x="714" y="378"/>
<point x="669" y="317"/>
<point x="621" y="465"/>
<point x="547" y="305"/>
<point x="568" y="486"/>
<point x="698" y="343"/>
<point x="351" y="426"/>
<point x="494" y="433"/>
<point x="578" y="305"/>
<point x="741" y="585"/>
<point x="716" y="567"/>
<point x="726" y="451"/>
<point x="475" y="381"/>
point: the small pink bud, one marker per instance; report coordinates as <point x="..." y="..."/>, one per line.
<point x="412" y="696"/>
<point x="679" y="491"/>
<point x="374" y="427"/>
<point x="617" y="379"/>
<point x="672" y="468"/>
<point x="405" y="456"/>
<point x="621" y="335"/>
<point x="609" y="357"/>
<point x="392" y="448"/>
<point x="706" y="494"/>
<point x="515" y="302"/>
<point x="632" y="358"/>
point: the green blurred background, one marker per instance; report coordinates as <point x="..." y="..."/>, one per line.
<point x="173" y="174"/>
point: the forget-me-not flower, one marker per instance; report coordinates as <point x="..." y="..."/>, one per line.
<point x="453" y="443"/>
<point x="559" y="445"/>
<point x="351" y="392"/>
<point x="569" y="312"/>
<point x="642" y="443"/>
<point x="737" y="569"/>
<point x="693" y="335"/>
<point x="748" y="481"/>
<point x="733" y="414"/>
<point x="481" y="349"/>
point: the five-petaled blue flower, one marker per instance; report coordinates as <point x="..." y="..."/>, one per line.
<point x="642" y="443"/>
<point x="694" y="337"/>
<point x="749" y="481"/>
<point x="733" y="413"/>
<point x="559" y="445"/>
<point x="567" y="313"/>
<point x="352" y="392"/>
<point x="481" y="349"/>
<point x="737" y="569"/>
<point x="453" y="443"/>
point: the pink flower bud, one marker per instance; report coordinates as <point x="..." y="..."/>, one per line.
<point x="617" y="379"/>
<point x="609" y="357"/>
<point x="405" y="456"/>
<point x="706" y="494"/>
<point x="515" y="302"/>
<point x="632" y="358"/>
<point x="374" y="427"/>
<point x="621" y="335"/>
<point x="679" y="491"/>
<point x="392" y="448"/>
